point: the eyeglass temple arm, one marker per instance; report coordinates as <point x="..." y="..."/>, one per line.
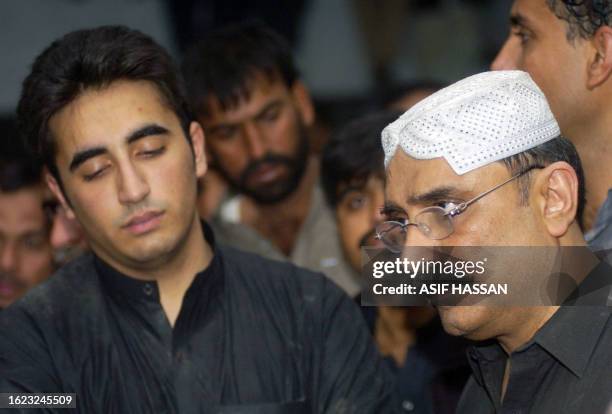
<point x="466" y="204"/>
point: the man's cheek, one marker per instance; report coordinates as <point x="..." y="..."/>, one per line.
<point x="353" y="226"/>
<point x="34" y="268"/>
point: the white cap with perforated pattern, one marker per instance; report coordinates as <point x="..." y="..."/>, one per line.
<point x="474" y="122"/>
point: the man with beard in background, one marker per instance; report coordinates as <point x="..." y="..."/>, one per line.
<point x="158" y="316"/>
<point x="429" y="365"/>
<point x="245" y="90"/>
<point x="25" y="251"/>
<point x="66" y="236"/>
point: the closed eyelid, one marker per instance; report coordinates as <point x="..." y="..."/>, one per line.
<point x="152" y="143"/>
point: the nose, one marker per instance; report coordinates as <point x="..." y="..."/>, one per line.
<point x="8" y="257"/>
<point x="254" y="140"/>
<point x="414" y="237"/>
<point x="132" y="184"/>
<point x="376" y="217"/>
<point x="508" y="56"/>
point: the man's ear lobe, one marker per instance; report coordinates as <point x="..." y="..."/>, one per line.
<point x="196" y="134"/>
<point x="558" y="189"/>
<point x="600" y="62"/>
<point x="58" y="192"/>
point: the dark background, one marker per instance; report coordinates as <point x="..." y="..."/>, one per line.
<point x="350" y="52"/>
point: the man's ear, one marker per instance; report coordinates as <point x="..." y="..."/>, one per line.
<point x="303" y="101"/>
<point x="196" y="134"/>
<point x="57" y="191"/>
<point x="556" y="187"/>
<point x="600" y="61"/>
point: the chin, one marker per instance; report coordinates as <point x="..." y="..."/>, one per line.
<point x="152" y="251"/>
<point x="466" y="321"/>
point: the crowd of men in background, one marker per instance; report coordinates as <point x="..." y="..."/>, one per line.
<point x="270" y="192"/>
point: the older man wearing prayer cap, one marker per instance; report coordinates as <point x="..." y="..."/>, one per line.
<point x="482" y="163"/>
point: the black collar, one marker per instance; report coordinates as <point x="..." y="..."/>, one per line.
<point x="573" y="332"/>
<point x="570" y="335"/>
<point x="127" y="286"/>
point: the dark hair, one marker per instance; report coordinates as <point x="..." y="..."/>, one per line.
<point x="583" y="17"/>
<point x="19" y="173"/>
<point x="92" y="58"/>
<point x="223" y="64"/>
<point x="558" y="149"/>
<point x="354" y="153"/>
<point x="396" y="92"/>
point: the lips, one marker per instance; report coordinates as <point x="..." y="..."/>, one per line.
<point x="7" y="289"/>
<point x="265" y="173"/>
<point x="144" y="222"/>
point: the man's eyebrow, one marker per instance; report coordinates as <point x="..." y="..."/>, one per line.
<point x="517" y="19"/>
<point x="389" y="208"/>
<point x="214" y="128"/>
<point x="146" y="131"/>
<point x="348" y="189"/>
<point x="269" y="106"/>
<point x="35" y="233"/>
<point x="81" y="156"/>
<point x="432" y="196"/>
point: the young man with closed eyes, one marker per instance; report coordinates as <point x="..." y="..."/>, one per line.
<point x="158" y="317"/>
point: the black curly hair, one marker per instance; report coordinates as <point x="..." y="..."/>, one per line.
<point x="583" y="17"/>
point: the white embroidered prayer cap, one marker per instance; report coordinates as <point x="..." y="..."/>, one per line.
<point x="474" y="122"/>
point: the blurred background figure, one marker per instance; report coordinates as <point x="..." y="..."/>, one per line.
<point x="212" y="191"/>
<point x="67" y="238"/>
<point x="402" y="97"/>
<point x="26" y="257"/>
<point x="246" y="92"/>
<point x="430" y="366"/>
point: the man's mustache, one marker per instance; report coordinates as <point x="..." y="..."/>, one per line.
<point x="135" y="208"/>
<point x="6" y="277"/>
<point x="267" y="159"/>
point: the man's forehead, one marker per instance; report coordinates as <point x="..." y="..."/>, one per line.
<point x="374" y="181"/>
<point x="105" y="115"/>
<point x="532" y="12"/>
<point x="408" y="177"/>
<point x="246" y="101"/>
<point x="419" y="173"/>
<point x="22" y="208"/>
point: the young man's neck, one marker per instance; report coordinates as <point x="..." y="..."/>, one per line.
<point x="180" y="272"/>
<point x="281" y="222"/>
<point x="594" y="145"/>
<point x="175" y="275"/>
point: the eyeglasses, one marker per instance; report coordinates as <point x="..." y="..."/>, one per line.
<point x="433" y="222"/>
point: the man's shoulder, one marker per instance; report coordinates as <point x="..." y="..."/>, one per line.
<point x="71" y="287"/>
<point x="267" y="277"/>
<point x="243" y="263"/>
